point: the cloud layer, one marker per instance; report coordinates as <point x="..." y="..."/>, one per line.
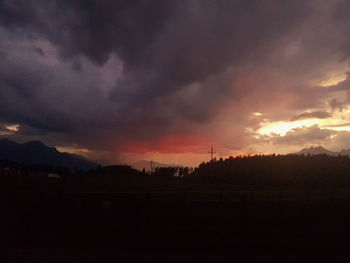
<point x="170" y="77"/>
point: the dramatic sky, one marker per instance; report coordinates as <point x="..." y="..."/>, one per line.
<point x="120" y="81"/>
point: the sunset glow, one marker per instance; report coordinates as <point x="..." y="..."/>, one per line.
<point x="282" y="127"/>
<point x="188" y="81"/>
<point x="13" y="127"/>
<point x="175" y="130"/>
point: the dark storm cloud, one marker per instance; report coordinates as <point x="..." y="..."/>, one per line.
<point x="164" y="46"/>
<point x="312" y="134"/>
<point x="92" y="28"/>
<point x="39" y="51"/>
<point x="20" y="97"/>
<point x="335" y="104"/>
<point x="313" y="114"/>
<point x="103" y="71"/>
<point x="178" y="42"/>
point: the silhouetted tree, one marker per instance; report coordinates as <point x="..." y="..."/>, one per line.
<point x="278" y="170"/>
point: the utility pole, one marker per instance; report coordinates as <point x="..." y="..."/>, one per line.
<point x="211" y="152"/>
<point x="151" y="166"/>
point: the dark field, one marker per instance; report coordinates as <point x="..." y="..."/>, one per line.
<point x="147" y="217"/>
<point x="150" y="224"/>
<point x="184" y="220"/>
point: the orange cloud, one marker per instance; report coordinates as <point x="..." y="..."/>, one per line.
<point x="168" y="144"/>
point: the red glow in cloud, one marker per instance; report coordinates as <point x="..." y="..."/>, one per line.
<point x="168" y="144"/>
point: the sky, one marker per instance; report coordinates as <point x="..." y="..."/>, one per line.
<point x="122" y="81"/>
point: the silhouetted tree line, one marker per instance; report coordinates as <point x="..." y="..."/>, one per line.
<point x="321" y="171"/>
<point x="165" y="171"/>
<point x="114" y="170"/>
<point x="172" y="171"/>
<point x="278" y="170"/>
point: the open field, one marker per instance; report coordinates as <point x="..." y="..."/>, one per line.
<point x="313" y="196"/>
<point x="149" y="220"/>
<point x="167" y="214"/>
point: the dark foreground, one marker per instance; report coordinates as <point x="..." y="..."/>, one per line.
<point x="150" y="226"/>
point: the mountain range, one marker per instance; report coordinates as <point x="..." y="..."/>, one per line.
<point x="36" y="153"/>
<point x="322" y="150"/>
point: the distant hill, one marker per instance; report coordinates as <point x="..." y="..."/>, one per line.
<point x="36" y="153"/>
<point x="147" y="165"/>
<point x="322" y="150"/>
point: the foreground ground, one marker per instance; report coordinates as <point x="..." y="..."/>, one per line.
<point x="202" y="223"/>
<point x="150" y="221"/>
